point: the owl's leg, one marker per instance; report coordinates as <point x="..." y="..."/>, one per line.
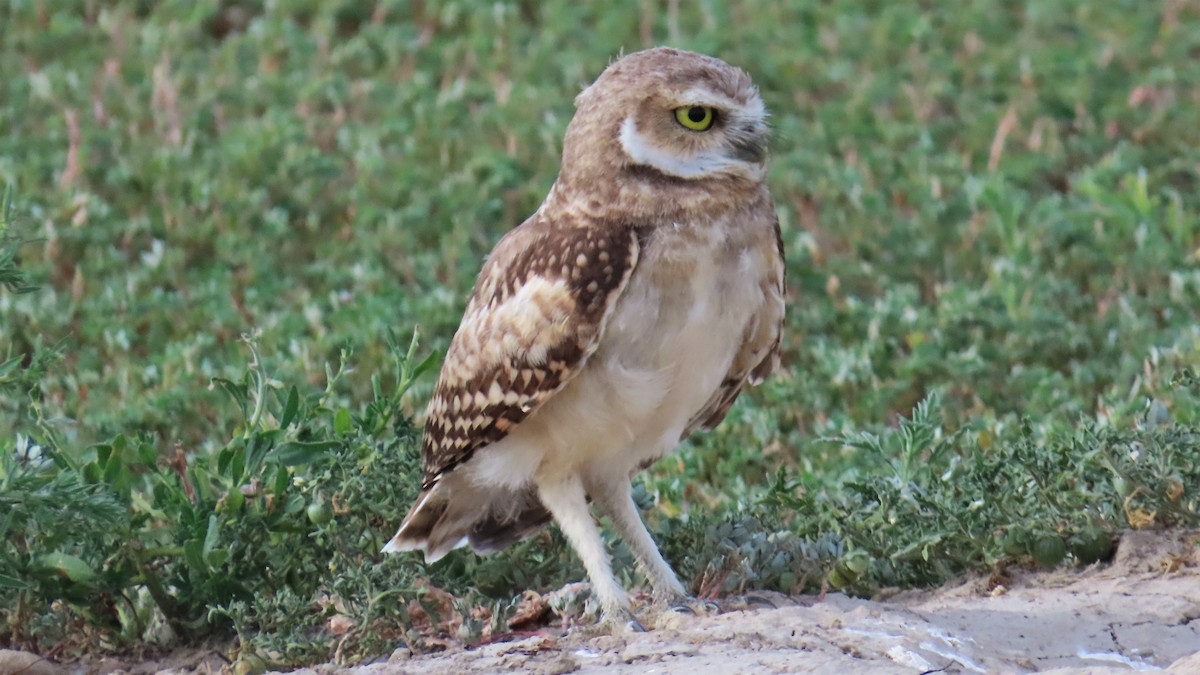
<point x="615" y="498"/>
<point x="567" y="502"/>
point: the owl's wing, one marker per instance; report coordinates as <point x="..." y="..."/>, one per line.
<point x="537" y="313"/>
<point x="759" y="353"/>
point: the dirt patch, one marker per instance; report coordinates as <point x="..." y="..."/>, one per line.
<point x="1142" y="612"/>
<point x="1139" y="613"/>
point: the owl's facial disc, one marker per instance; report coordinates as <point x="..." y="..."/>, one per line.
<point x="698" y="133"/>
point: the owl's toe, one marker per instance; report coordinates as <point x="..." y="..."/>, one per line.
<point x="688" y="605"/>
<point x="622" y="621"/>
<point x="681" y="609"/>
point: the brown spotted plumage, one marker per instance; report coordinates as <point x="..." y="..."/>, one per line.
<point x="536" y="315"/>
<point x="633" y="308"/>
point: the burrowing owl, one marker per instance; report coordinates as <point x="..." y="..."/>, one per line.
<point x="631" y="309"/>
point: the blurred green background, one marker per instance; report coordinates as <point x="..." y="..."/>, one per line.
<point x="993" y="203"/>
<point x="325" y="170"/>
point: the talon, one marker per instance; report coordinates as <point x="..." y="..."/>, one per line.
<point x="692" y="607"/>
<point x="760" y="601"/>
<point x="622" y="622"/>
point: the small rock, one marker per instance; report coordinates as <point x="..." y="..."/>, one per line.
<point x="511" y="662"/>
<point x="12" y="661"/>
<point x="607" y="643"/>
<point x="340" y="624"/>
<point x="908" y="658"/>
<point x="560" y="665"/>
<point x="1188" y="664"/>
<point x="532" y="609"/>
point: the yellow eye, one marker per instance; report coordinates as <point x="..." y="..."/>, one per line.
<point x="696" y="117"/>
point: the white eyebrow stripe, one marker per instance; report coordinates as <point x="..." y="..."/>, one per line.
<point x="706" y="163"/>
<point x="697" y="96"/>
<point x="753" y="109"/>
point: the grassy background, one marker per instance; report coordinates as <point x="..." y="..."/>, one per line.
<point x="990" y="207"/>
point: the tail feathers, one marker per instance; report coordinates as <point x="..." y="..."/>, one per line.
<point x="425" y="528"/>
<point x="443" y="519"/>
<point x="490" y="534"/>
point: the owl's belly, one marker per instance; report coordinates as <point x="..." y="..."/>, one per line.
<point x="666" y="348"/>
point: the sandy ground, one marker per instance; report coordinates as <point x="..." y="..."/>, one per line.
<point x="1139" y="613"/>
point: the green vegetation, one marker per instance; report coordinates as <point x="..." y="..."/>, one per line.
<point x="230" y="212"/>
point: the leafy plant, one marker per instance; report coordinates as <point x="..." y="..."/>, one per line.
<point x="989" y="353"/>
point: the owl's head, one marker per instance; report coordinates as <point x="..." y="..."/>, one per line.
<point x="675" y="113"/>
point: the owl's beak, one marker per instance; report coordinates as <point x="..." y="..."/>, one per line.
<point x="751" y="147"/>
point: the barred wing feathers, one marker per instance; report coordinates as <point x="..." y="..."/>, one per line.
<point x="536" y="315"/>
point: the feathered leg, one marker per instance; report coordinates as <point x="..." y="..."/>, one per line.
<point x="564" y="497"/>
<point x="615" y="499"/>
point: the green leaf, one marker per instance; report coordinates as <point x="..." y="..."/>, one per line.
<point x="236" y="390"/>
<point x="9" y="366"/>
<point x="296" y="453"/>
<point x="258" y="448"/>
<point x="104" y="452"/>
<point x="6" y="207"/>
<point x="112" y="470"/>
<point x="282" y="479"/>
<point x="341" y="422"/>
<point x="425" y="364"/>
<point x="67" y="565"/>
<point x="217" y="557"/>
<point x="231" y="460"/>
<point x="237" y="464"/>
<point x="234" y="499"/>
<point x="147" y="454"/>
<point x="295" y="504"/>
<point x="13" y="582"/>
<point x="213" y="535"/>
<point x="290" y="408"/>
<point x="193" y="554"/>
<point x="91" y="473"/>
